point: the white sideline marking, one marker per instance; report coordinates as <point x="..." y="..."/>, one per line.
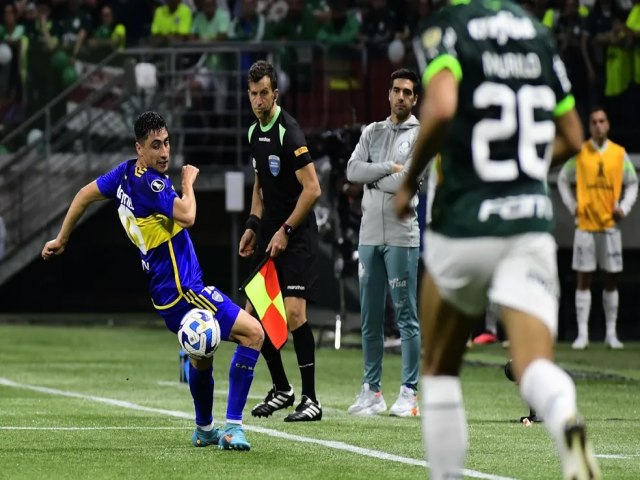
<point x="91" y="428"/>
<point x="265" y="431"/>
<point x="615" y="456"/>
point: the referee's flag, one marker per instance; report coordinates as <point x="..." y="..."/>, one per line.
<point x="263" y="291"/>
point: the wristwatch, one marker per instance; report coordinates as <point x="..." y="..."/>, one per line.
<point x="288" y="229"/>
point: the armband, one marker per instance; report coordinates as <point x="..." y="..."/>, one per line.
<point x="253" y="223"/>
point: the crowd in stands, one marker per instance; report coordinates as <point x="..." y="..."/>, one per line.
<point x="41" y="41"/>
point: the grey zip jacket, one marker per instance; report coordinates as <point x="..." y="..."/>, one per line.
<point x="380" y="146"/>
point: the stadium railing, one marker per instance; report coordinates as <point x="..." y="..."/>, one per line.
<point x="87" y="128"/>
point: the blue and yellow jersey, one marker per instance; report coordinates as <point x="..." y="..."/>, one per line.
<point x="145" y="209"/>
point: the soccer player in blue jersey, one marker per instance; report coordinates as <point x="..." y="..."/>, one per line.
<point x="156" y="219"/>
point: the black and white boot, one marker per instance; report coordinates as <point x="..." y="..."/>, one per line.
<point x="275" y="400"/>
<point x="306" y="411"/>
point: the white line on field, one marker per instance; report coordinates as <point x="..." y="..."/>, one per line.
<point x="91" y="428"/>
<point x="265" y="431"/>
<point x="615" y="456"/>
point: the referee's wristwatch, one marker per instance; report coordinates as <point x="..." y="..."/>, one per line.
<point x="288" y="229"/>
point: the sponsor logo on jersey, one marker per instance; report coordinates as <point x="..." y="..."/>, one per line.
<point x="157" y="185"/>
<point x="300" y="151"/>
<point x="517" y="207"/>
<point x="449" y="40"/>
<point x="274" y="165"/>
<point x="124" y="198"/>
<point x="561" y="72"/>
<point x="296" y="287"/>
<point x="264" y="139"/>
<point x="502" y="27"/>
<point x="404" y="147"/>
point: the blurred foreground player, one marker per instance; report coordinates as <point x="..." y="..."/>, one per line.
<point x="498" y="108"/>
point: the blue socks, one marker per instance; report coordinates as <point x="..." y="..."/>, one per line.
<point x="241" y="370"/>
<point x="201" y="386"/>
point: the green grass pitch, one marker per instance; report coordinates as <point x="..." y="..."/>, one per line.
<point x="102" y="402"/>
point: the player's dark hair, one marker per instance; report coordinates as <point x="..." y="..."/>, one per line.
<point x="407" y="74"/>
<point x="260" y="69"/>
<point x="146" y="123"/>
<point x="597" y="108"/>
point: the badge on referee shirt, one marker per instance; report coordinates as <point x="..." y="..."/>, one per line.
<point x="274" y="165"/>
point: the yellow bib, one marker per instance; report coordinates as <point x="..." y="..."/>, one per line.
<point x="598" y="185"/>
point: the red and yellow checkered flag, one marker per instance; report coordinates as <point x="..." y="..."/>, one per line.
<point x="263" y="291"/>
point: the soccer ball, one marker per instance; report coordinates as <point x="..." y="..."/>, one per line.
<point x="199" y="334"/>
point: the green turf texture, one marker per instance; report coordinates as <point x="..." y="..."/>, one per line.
<point x="41" y="434"/>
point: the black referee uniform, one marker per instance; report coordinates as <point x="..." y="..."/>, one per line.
<point x="277" y="151"/>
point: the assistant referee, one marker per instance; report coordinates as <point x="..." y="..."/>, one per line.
<point x="282" y="224"/>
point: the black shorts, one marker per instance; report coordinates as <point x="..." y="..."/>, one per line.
<point x="297" y="266"/>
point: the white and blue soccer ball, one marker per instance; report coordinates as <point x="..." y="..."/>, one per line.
<point x="199" y="334"/>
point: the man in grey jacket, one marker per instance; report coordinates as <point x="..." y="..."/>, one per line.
<point x="388" y="247"/>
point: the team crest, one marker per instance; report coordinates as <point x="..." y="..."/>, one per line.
<point x="216" y="296"/>
<point x="403" y="148"/>
<point x="431" y="37"/>
<point x="157" y="185"/>
<point x="274" y="165"/>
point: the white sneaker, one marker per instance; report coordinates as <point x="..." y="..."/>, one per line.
<point x="577" y="455"/>
<point x="392" y="342"/>
<point x="580" y="343"/>
<point x="367" y="402"/>
<point x="613" y="343"/>
<point x="406" y="405"/>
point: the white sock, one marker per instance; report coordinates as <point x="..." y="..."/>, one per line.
<point x="444" y="426"/>
<point x="237" y="422"/>
<point x="610" y="306"/>
<point x="491" y="319"/>
<point x="552" y="394"/>
<point x="206" y="428"/>
<point x="583" y="309"/>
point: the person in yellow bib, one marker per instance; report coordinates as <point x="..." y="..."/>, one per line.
<point x="171" y="23"/>
<point x="606" y="189"/>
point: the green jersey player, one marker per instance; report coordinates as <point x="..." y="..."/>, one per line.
<point x="498" y="107"/>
